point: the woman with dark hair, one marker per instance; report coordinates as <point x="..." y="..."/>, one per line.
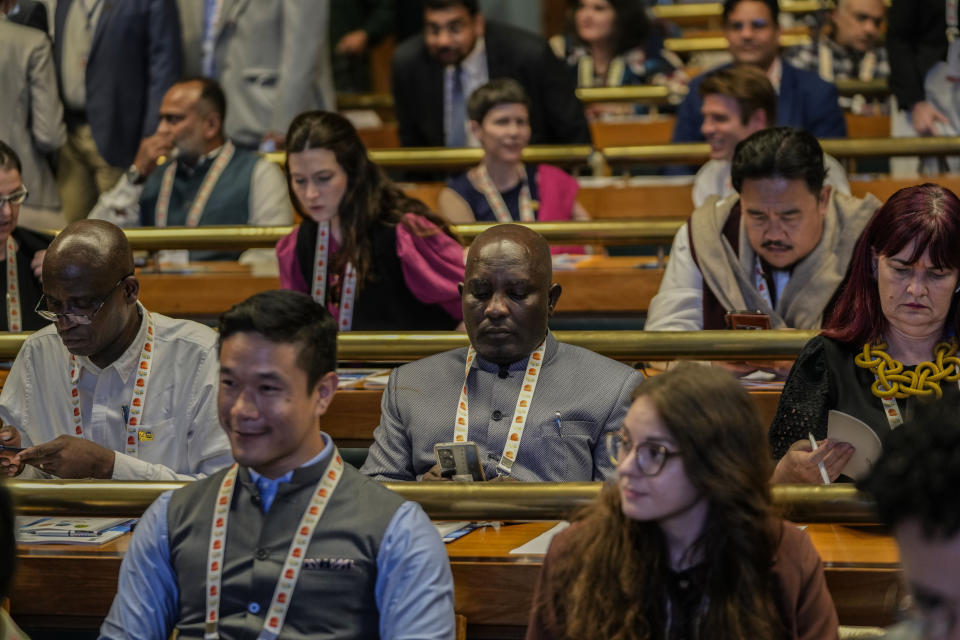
<point x="378" y="259"/>
<point x="502" y="188"/>
<point x="685" y="544"/>
<point x="891" y="340"/>
<point x="611" y="43"/>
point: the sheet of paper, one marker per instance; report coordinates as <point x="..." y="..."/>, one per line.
<point x="843" y="427"/>
<point x="540" y="544"/>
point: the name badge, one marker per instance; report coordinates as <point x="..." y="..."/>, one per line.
<point x="145" y="436"/>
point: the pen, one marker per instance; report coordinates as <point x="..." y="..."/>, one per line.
<point x="823" y="469"/>
<point x="4" y="447"/>
<point x="556" y="418"/>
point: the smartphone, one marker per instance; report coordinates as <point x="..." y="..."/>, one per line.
<point x="459" y="460"/>
<point x="747" y="320"/>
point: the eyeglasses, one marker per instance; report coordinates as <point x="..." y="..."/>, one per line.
<point x="650" y="457"/>
<point x="85" y="311"/>
<point x="17" y="197"/>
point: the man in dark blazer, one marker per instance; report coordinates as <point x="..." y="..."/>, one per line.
<point x="29" y="13"/>
<point x="112" y="84"/>
<point x="804" y="100"/>
<point x="457" y="36"/>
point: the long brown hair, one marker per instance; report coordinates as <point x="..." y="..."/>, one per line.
<point x="611" y="582"/>
<point x="370" y="198"/>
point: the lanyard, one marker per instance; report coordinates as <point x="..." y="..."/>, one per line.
<point x="13" y="287"/>
<point x="509" y="455"/>
<point x="206" y="187"/>
<point x="586" y="74"/>
<point x="283" y="592"/>
<point x="134" y="412"/>
<point x="952" y="21"/>
<point x="761" y="283"/>
<point x="495" y="200"/>
<point x="321" y="258"/>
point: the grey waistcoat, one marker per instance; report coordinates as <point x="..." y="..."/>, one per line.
<point x="334" y="596"/>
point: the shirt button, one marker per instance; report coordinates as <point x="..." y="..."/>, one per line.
<point x="497" y="415"/>
<point x="261" y="554"/>
<point x="253" y="607"/>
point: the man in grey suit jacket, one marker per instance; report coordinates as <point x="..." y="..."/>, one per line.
<point x="537" y="409"/>
<point x="32" y="116"/>
<point x="271" y="58"/>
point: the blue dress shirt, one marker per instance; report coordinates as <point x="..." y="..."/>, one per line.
<point x="413" y="590"/>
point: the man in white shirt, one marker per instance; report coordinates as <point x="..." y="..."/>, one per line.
<point x="188" y="174"/>
<point x="110" y="390"/>
<point x="780" y="247"/>
<point x="738" y="101"/>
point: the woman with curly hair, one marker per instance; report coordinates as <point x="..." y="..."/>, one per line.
<point x="379" y="260"/>
<point x="684" y="545"/>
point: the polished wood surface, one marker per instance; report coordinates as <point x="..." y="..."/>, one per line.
<point x="599" y="284"/>
<point x="58" y="585"/>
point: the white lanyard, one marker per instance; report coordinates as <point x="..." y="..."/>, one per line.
<point x="495" y="200"/>
<point x="586" y="76"/>
<point x="868" y="65"/>
<point x="206" y="188"/>
<point x="462" y="425"/>
<point x="14" y="318"/>
<point x="134" y="412"/>
<point x="348" y="292"/>
<point x="761" y="284"/>
<point x="283" y="592"/>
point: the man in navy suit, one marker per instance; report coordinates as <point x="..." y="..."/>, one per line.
<point x="804" y="100"/>
<point x="435" y="72"/>
<point x="115" y="61"/>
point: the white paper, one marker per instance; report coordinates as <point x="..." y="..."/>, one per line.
<point x="540" y="544"/>
<point x="843" y="427"/>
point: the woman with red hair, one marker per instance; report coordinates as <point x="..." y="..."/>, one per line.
<point x="890" y="342"/>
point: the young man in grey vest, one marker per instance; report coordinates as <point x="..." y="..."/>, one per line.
<point x="289" y="542"/>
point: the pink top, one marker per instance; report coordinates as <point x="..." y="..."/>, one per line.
<point x="558" y="194"/>
<point x="432" y="264"/>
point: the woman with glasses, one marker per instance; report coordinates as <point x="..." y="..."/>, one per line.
<point x="21" y="250"/>
<point x="378" y="259"/>
<point x="684" y="544"/>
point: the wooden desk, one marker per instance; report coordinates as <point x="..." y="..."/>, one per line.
<point x="600" y="284"/>
<point x="59" y="586"/>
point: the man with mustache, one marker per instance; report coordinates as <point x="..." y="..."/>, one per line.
<point x="109" y="390"/>
<point x="434" y="73"/>
<point x="538" y="409"/>
<point x="780" y="247"/>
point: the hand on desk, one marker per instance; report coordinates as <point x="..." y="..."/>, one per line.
<point x="780" y="368"/>
<point x="10" y="437"/>
<point x="800" y="464"/>
<point x="434" y="474"/>
<point x="70" y="457"/>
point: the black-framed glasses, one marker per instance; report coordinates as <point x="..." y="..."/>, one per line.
<point x="17" y="197"/>
<point x="650" y="457"/>
<point x="81" y="315"/>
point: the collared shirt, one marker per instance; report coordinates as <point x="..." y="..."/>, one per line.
<point x="268" y="486"/>
<point x="775" y="73"/>
<point x="77" y="36"/>
<point x="591" y="394"/>
<point x="179" y="412"/>
<point x="474" y="75"/>
<point x="412" y="589"/>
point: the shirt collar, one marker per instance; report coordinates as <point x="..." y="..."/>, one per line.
<point x="520" y="365"/>
<point x="324" y="453"/>
<point x="775" y="73"/>
<point x="201" y="161"/>
<point x="126" y="364"/>
<point x="472" y="64"/>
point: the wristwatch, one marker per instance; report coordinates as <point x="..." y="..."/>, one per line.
<point x="134" y="176"/>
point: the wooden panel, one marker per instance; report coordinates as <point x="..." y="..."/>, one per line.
<point x="873" y="126"/>
<point x="61" y="585"/>
<point x="383" y="137"/>
<point x="634" y="132"/>
<point x="883" y="186"/>
<point x="426" y="192"/>
<point x="637" y="202"/>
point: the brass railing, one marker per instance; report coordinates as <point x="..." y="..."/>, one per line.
<point x="695" y="153"/>
<point x="442" y="501"/>
<point x="715" y="9"/>
<point x="607" y="232"/>
<point x="461" y="158"/>
<point x="720" y="43"/>
<point x="630" y="346"/>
